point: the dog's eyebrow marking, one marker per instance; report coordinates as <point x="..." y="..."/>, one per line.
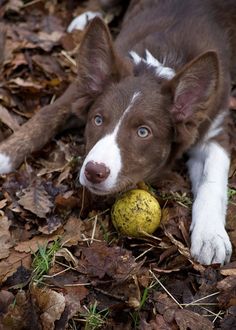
<point x="134" y="98"/>
<point x="161" y="70"/>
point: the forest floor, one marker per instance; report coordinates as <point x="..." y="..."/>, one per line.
<point x="62" y="264"/>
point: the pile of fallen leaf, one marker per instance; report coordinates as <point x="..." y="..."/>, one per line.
<point x="62" y="265"/>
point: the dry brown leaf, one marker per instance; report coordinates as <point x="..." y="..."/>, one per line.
<point x="20" y="314"/>
<point x="3" y="203"/>
<point x="18" y="60"/>
<point x="9" y="266"/>
<point x="5" y="237"/>
<point x="185" y="319"/>
<point x="26" y="84"/>
<point x="5" y="96"/>
<point x="163" y="302"/>
<point x="227" y="283"/>
<point x="74" y="296"/>
<point x="184" y="251"/>
<point x="227" y="289"/>
<point x="188" y="320"/>
<point x="33" y="244"/>
<point x="69" y="257"/>
<point x="72" y="233"/>
<point x="48" y="40"/>
<point x="49" y="65"/>
<point x="229" y="269"/>
<point x="36" y="199"/>
<point x="6" y="298"/>
<point x="64" y="174"/>
<point x="232" y="102"/>
<point x="115" y="262"/>
<point x="53" y="223"/>
<point x="158" y="323"/>
<point x="51" y="305"/>
<point x="67" y="202"/>
<point x="57" y="164"/>
<point x="14" y="5"/>
<point x="229" y="320"/>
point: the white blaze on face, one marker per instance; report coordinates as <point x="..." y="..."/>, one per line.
<point x="106" y="151"/>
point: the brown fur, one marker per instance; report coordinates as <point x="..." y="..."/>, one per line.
<point x="180" y="110"/>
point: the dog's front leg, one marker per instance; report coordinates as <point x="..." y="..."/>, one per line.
<point x="42" y="127"/>
<point x="208" y="168"/>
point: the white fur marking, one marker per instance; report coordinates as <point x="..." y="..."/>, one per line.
<point x="5" y="164"/>
<point x="106" y="151"/>
<point x="135" y="96"/>
<point x="216" y="126"/>
<point x="135" y="57"/>
<point x="81" y="21"/>
<point x="208" y="168"/>
<point x="161" y="70"/>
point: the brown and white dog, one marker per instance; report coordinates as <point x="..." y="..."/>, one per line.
<point x="161" y="90"/>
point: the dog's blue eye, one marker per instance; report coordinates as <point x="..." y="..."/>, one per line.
<point x="143" y="132"/>
<point x="98" y="120"/>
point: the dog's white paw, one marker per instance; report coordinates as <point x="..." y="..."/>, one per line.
<point x="5" y="164"/>
<point x="81" y="21"/>
<point x="211" y="244"/>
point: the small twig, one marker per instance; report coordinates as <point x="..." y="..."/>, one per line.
<point x="82" y="204"/>
<point x="56" y="274"/>
<point x="145" y="234"/>
<point x="31" y="3"/>
<point x="97" y="215"/>
<point x="210" y="312"/>
<point x="144" y="252"/>
<point x="203" y="298"/>
<point x="53" y="99"/>
<point x="218" y="316"/>
<point x="164" y="288"/>
<point x="78" y="284"/>
<point x="69" y="58"/>
<point x="121" y="298"/>
<point x="85" y="239"/>
<point x="94" y="229"/>
<point x="201" y="304"/>
<point x="64" y="265"/>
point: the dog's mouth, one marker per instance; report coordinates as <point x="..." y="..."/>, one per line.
<point x="105" y="192"/>
<point x="98" y="191"/>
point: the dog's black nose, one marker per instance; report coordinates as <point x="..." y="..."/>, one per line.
<point x="96" y="172"/>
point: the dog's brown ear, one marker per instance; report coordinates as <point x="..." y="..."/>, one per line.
<point x="97" y="60"/>
<point x="193" y="88"/>
<point x="192" y="92"/>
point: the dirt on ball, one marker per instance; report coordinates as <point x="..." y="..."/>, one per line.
<point x="135" y="213"/>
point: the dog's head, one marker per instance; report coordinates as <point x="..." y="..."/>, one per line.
<point x="138" y="121"/>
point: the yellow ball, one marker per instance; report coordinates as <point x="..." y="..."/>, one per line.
<point x="135" y="213"/>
